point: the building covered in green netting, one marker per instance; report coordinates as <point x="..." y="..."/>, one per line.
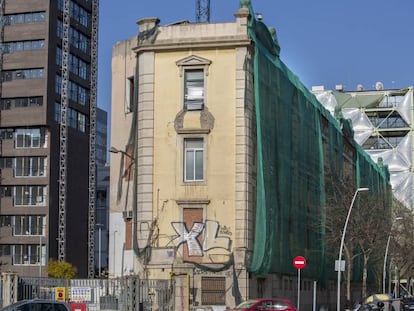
<point x="231" y="168"/>
<point x="304" y="154"/>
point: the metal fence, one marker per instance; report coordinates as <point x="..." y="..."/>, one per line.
<point x="127" y="293"/>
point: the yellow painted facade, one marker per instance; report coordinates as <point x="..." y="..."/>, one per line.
<point x="163" y="226"/>
<point x="218" y="186"/>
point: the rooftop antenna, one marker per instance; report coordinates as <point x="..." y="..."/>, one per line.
<point x="203" y="11"/>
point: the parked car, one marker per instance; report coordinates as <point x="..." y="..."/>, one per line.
<point x="407" y="304"/>
<point x="376" y="302"/>
<point x="38" y="305"/>
<point x="275" y="304"/>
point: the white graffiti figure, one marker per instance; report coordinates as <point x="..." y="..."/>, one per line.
<point x="211" y="239"/>
<point x="189" y="237"/>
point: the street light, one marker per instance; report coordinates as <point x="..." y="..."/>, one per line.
<point x="114" y="253"/>
<point x="116" y="150"/>
<point x="40" y="255"/>
<point x="99" y="248"/>
<point x="40" y="251"/>
<point x="384" y="272"/>
<point x="338" y="298"/>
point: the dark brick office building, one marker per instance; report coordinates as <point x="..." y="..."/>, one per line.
<point x="47" y="75"/>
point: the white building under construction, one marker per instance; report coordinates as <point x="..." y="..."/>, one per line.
<point x="382" y="121"/>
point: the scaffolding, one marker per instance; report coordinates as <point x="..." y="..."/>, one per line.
<point x="92" y="136"/>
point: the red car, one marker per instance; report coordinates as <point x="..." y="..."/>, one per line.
<point x="271" y="304"/>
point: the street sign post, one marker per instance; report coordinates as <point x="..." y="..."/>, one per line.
<point x="299" y="262"/>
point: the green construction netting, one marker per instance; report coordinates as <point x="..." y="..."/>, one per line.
<point x="297" y="139"/>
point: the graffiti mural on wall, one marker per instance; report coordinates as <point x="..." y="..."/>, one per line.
<point x="209" y="229"/>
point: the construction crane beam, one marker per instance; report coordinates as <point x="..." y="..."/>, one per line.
<point x="63" y="133"/>
<point x="92" y="139"/>
<point x="203" y="11"/>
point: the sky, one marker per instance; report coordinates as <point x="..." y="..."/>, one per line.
<point x="324" y="42"/>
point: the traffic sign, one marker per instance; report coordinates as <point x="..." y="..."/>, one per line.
<point x="60" y="293"/>
<point x="299" y="262"/>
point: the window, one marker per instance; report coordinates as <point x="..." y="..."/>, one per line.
<point x="6" y="162"/>
<point x="76" y="65"/>
<point x="17" y="46"/>
<point x="193" y="72"/>
<point x="18" y="74"/>
<point x="5" y="221"/>
<point x="30" y="195"/>
<point x="18" y="102"/>
<point x="75" y="120"/>
<point x="72" y="118"/>
<point x="28" y="225"/>
<point x="28" y="138"/>
<point x="213" y="290"/>
<point x="81" y="126"/>
<point x="30" y="166"/>
<point x="194" y="89"/>
<point x="32" y="17"/>
<point x="5" y="250"/>
<point x="76" y="92"/>
<point x="78" y="13"/>
<point x="129" y="96"/>
<point x="76" y="38"/>
<point x="193" y="159"/>
<point x="26" y="254"/>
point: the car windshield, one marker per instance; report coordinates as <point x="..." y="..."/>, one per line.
<point x="36" y="306"/>
<point x="279" y="305"/>
<point x="246" y="304"/>
<point x="408" y="299"/>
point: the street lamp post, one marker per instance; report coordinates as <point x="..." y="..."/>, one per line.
<point x="338" y="298"/>
<point x="116" y="150"/>
<point x="40" y="251"/>
<point x="99" y="248"/>
<point x="384" y="272"/>
<point x="40" y="255"/>
<point x="114" y="253"/>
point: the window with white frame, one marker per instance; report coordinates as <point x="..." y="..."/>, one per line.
<point x="193" y="159"/>
<point x="30" y="166"/>
<point x="28" y="138"/>
<point x="30" y="196"/>
<point x="193" y="71"/>
<point x="26" y="254"/>
<point x="28" y="225"/>
<point x="194" y="89"/>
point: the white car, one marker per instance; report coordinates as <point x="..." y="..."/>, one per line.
<point x="38" y="305"/>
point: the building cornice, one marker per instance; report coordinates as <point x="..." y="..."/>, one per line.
<point x="213" y="44"/>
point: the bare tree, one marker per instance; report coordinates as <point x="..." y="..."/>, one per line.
<point x="371" y="220"/>
<point x="365" y="234"/>
<point x="337" y="204"/>
<point x="401" y="237"/>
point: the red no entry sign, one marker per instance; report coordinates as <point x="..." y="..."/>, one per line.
<point x="299" y="262"/>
